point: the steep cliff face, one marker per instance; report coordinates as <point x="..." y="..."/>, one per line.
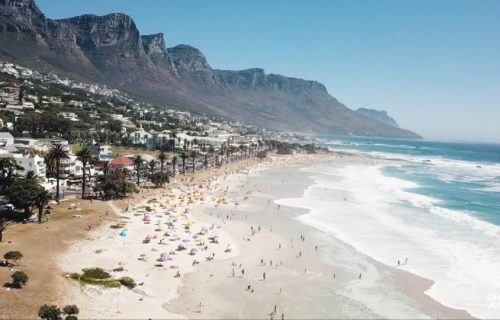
<point x="155" y="49"/>
<point x="379" y="115"/>
<point x="110" y="49"/>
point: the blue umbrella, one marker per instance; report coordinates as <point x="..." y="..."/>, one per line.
<point x="123" y="233"/>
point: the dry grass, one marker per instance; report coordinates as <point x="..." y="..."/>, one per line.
<point x="40" y="245"/>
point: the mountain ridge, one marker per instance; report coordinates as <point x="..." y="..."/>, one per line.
<point x="110" y="49"/>
<point x="379" y="115"/>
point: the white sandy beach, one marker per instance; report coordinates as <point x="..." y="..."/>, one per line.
<point x="308" y="273"/>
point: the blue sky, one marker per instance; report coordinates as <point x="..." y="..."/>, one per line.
<point x="433" y="65"/>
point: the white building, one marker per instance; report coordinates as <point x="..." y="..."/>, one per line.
<point x="6" y="139"/>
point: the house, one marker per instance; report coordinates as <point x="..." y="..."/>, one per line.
<point x="120" y="163"/>
<point x="139" y="137"/>
<point x="102" y="152"/>
<point x="27" y="105"/>
<point x="28" y="162"/>
<point x="6" y="139"/>
<point x="70" y="167"/>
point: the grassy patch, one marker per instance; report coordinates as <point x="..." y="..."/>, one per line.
<point x="99" y="277"/>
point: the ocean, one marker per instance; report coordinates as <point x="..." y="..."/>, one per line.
<point x="435" y="214"/>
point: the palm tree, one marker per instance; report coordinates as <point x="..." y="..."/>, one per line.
<point x="42" y="199"/>
<point x="162" y="157"/>
<point x="193" y="155"/>
<point x="174" y="165"/>
<point x="183" y="157"/>
<point x="138" y="160"/>
<point x="85" y="156"/>
<point x="173" y="136"/>
<point x="105" y="167"/>
<point x="31" y="177"/>
<point x="152" y="165"/>
<point x="54" y="157"/>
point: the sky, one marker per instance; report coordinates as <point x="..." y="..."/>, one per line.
<point x="433" y="65"/>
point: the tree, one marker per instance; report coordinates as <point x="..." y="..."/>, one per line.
<point x="105" y="167"/>
<point x="162" y="157"/>
<point x="114" y="186"/>
<point x="71" y="311"/>
<point x="262" y="154"/>
<point x="8" y="169"/>
<point x="47" y="312"/>
<point x="174" y="165"/>
<point x="193" y="155"/>
<point x="159" y="179"/>
<point x="23" y="191"/>
<point x="41" y="201"/>
<point x="184" y="157"/>
<point x="14" y="256"/>
<point x="152" y="166"/>
<point x="138" y="161"/>
<point x="19" y="278"/>
<point x="85" y="156"/>
<point x="54" y="157"/>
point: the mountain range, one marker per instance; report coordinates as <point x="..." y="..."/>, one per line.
<point x="110" y="50"/>
<point x="379" y="115"/>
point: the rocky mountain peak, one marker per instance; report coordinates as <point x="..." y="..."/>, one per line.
<point x="188" y="59"/>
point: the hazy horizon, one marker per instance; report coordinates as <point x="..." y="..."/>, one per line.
<point x="432" y="65"/>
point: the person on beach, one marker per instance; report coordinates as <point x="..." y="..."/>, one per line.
<point x="242" y="272"/>
<point x="279" y="246"/>
<point x="264" y="276"/>
<point x="359" y="276"/>
<point x="282" y="316"/>
<point x="233" y="273"/>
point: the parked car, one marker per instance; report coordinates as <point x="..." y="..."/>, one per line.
<point x="7" y="207"/>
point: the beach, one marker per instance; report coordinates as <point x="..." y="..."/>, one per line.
<point x="308" y="273"/>
<point x="249" y="252"/>
<point x="277" y="267"/>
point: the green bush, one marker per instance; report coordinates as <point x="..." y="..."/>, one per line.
<point x="127" y="282"/>
<point x="47" y="312"/>
<point x="13" y="255"/>
<point x="71" y="310"/>
<point x="95" y="274"/>
<point x="19" y="278"/>
<point x="74" y="276"/>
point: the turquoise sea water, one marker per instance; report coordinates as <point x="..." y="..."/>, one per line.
<point x="464" y="177"/>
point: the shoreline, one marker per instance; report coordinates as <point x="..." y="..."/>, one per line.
<point x="406" y="282"/>
<point x="287" y="286"/>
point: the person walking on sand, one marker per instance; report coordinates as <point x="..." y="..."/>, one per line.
<point x="282" y="316"/>
<point x="242" y="272"/>
<point x="264" y="276"/>
<point x="233" y="273"/>
<point x="279" y="246"/>
<point x="359" y="276"/>
<point x="275" y="307"/>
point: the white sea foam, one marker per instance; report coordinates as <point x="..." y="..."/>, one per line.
<point x="460" y="253"/>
